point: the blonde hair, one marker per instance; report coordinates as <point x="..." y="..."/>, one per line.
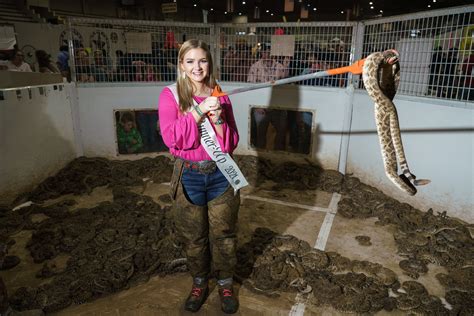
<point x="184" y="85"/>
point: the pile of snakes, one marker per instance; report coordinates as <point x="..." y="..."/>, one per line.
<point x="115" y="245"/>
<point x="82" y="175"/>
<point x="110" y="247"/>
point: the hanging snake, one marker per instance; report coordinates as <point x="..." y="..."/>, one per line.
<point x="381" y="75"/>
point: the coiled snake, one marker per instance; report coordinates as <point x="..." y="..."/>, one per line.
<point x="381" y="75"/>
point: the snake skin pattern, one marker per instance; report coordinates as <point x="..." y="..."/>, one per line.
<point x="381" y="75"/>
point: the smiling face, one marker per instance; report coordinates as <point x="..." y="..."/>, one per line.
<point x="196" y="65"/>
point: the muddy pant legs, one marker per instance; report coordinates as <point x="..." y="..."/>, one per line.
<point x="223" y="212"/>
<point x="191" y="222"/>
<point x="215" y="224"/>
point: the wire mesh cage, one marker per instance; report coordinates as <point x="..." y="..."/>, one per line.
<point x="128" y="51"/>
<point x="436" y="50"/>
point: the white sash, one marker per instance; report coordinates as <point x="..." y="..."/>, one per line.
<point x="224" y="161"/>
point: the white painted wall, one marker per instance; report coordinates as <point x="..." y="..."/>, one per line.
<point x="96" y="106"/>
<point x="439" y="144"/>
<point x="36" y="138"/>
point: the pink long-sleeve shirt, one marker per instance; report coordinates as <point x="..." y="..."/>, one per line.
<point x="180" y="131"/>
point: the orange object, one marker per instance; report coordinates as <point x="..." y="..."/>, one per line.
<point x="217" y="92"/>
<point x="355" y="68"/>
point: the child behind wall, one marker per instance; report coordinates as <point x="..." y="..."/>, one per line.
<point x="129" y="139"/>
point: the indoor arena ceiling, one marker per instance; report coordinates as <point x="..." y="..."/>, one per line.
<point x="317" y="10"/>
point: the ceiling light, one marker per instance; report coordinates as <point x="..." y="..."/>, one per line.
<point x="434" y="1"/>
<point x="195" y="5"/>
<point x="240" y="13"/>
<point x="243" y="2"/>
<point x="308" y="5"/>
<point x="267" y="11"/>
<point x="429" y="6"/>
<point x="271" y="14"/>
<point x="371" y="3"/>
<point x="225" y="12"/>
<point x="381" y="11"/>
<point x="371" y="7"/>
<point x="314" y="9"/>
<point x="342" y="12"/>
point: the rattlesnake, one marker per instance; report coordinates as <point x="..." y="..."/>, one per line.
<point x="381" y="75"/>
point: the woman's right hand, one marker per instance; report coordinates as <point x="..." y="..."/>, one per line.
<point x="209" y="104"/>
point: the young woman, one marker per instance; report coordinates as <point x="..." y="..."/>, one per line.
<point x="205" y="205"/>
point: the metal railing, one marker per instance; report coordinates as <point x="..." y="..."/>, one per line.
<point x="436" y="49"/>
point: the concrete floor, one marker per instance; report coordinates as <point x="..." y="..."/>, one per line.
<point x="308" y="215"/>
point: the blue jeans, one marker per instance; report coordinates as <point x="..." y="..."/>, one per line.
<point x="202" y="188"/>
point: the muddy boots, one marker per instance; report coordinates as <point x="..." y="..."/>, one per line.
<point x="229" y="302"/>
<point x="197" y="296"/>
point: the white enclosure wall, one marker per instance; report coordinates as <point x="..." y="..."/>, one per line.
<point x="439" y="145"/>
<point x="36" y="137"/>
<point x="96" y="107"/>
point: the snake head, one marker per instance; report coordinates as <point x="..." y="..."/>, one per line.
<point x="391" y="56"/>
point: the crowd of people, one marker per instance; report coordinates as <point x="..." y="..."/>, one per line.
<point x="14" y="60"/>
<point x="450" y="74"/>
<point x="98" y="66"/>
<point x="448" y="77"/>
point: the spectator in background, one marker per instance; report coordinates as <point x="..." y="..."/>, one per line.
<point x="336" y="57"/>
<point x="156" y="61"/>
<point x="84" y="71"/>
<point x="16" y="62"/>
<point x="265" y="69"/>
<point x="437" y="60"/>
<point x="450" y="78"/>
<point x="129" y="139"/>
<point x="63" y="62"/>
<point x="299" y="61"/>
<point x="120" y="69"/>
<point x="44" y="62"/>
<point x="101" y="68"/>
<point x="228" y="65"/>
<point x="467" y="78"/>
<point x="315" y="64"/>
<point x="243" y="60"/>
